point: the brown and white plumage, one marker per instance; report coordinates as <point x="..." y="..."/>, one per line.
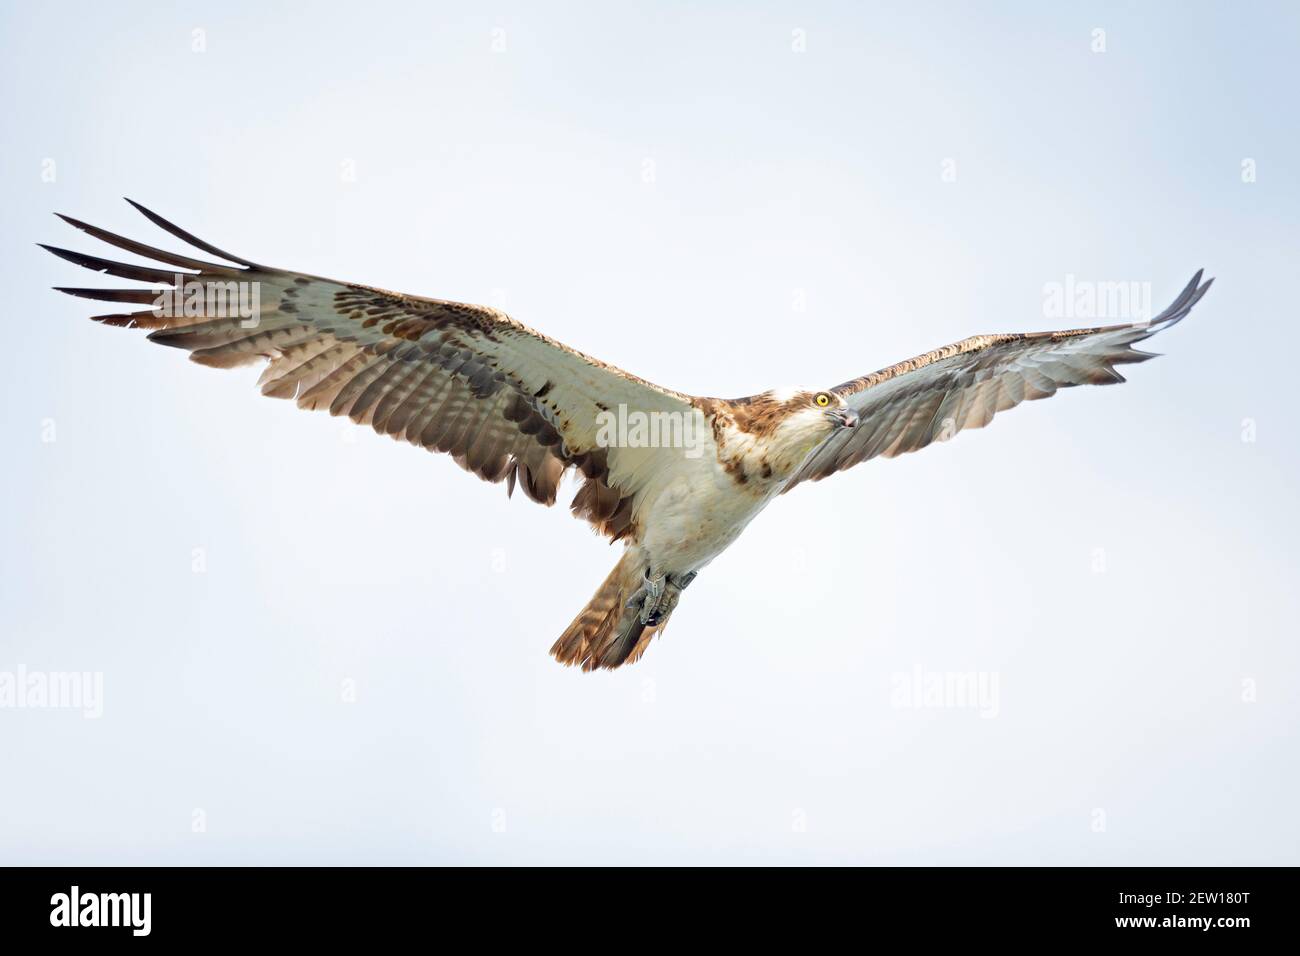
<point x="512" y="405"/>
<point x="507" y="403"/>
<point x="933" y="396"/>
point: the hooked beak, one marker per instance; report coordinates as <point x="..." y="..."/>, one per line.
<point x="844" y="417"/>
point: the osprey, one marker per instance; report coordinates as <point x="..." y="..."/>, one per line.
<point x="511" y="405"/>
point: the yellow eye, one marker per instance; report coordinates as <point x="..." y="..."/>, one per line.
<point x="822" y="399"/>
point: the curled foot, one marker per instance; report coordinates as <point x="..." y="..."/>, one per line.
<point x="658" y="595"/>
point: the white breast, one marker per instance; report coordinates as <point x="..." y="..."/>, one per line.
<point x="697" y="515"/>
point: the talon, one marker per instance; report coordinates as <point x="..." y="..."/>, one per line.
<point x="656" y="598"/>
<point x="684" y="581"/>
<point x="637" y="598"/>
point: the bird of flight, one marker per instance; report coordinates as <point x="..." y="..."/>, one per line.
<point x="510" y="404"/>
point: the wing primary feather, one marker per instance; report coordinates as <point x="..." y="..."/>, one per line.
<point x="121" y="270"/>
<point x="193" y="240"/>
<point x="138" y="296"/>
<point x="149" y="252"/>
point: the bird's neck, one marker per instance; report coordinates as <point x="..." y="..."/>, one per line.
<point x="762" y="460"/>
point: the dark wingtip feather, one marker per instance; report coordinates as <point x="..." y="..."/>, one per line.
<point x="137" y="296"/>
<point x="185" y="236"/>
<point x="1182" y="305"/>
<point x="150" y="252"/>
<point x="120" y="269"/>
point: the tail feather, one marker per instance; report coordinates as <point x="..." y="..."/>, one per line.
<point x="607" y="633"/>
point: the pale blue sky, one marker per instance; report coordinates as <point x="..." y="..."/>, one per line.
<point x="762" y="727"/>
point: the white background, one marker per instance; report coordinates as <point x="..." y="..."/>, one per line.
<point x="763" y="726"/>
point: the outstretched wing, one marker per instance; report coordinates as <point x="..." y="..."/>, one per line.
<point x="507" y="403"/>
<point x="933" y="396"/>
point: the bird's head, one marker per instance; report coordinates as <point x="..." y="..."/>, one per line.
<point x="810" y="416"/>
